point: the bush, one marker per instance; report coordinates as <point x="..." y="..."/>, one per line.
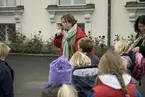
<point x="51" y="48"/>
<point x="21" y="44"/>
<point x="34" y="45"/>
<point x="17" y="44"/>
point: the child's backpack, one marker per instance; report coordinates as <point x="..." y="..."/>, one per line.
<point x="137" y="66"/>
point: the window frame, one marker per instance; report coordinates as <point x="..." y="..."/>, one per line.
<point x="80" y="24"/>
<point x="6" y="4"/>
<point x="72" y="4"/>
<point x="6" y="27"/>
<point x="141" y="1"/>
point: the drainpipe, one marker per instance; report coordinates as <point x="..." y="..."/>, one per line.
<point x="109" y="24"/>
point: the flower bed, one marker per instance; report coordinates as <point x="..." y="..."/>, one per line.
<point x="35" y="45"/>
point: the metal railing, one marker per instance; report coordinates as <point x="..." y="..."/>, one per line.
<point x="6" y="31"/>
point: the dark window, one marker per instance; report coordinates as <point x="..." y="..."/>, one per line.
<point x="82" y="25"/>
<point x="6" y="31"/>
<point x="142" y="0"/>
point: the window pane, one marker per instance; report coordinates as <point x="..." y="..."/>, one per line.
<point x="11" y="29"/>
<point x="11" y="2"/>
<point x="79" y="1"/>
<point x="7" y="31"/>
<point x="2" y="32"/>
<point x="1" y="2"/>
<point x="64" y="2"/>
<point x="82" y="25"/>
<point x="142" y="0"/>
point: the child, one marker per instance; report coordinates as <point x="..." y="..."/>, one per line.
<point x="67" y="91"/>
<point x="121" y="47"/>
<point x="6" y="73"/>
<point x="84" y="74"/>
<point x="85" y="46"/>
<point x="112" y="80"/>
<point x="60" y="75"/>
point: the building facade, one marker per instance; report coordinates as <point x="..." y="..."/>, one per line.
<point x="100" y="17"/>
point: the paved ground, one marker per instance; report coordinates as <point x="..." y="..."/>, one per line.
<point x="31" y="74"/>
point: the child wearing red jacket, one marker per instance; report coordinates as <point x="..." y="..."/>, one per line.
<point x="112" y="80"/>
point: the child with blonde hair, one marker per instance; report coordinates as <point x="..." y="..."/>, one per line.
<point x="80" y="60"/>
<point x="84" y="74"/>
<point x="112" y="81"/>
<point x="6" y="72"/>
<point x="67" y="91"/>
<point x="121" y="47"/>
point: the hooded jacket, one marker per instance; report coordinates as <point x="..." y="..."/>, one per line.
<point x="109" y="86"/>
<point x="83" y="79"/>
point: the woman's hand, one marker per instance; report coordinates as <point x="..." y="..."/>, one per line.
<point x="136" y="49"/>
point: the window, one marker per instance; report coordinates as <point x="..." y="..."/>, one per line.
<point x="7" y="3"/>
<point x="82" y="25"/>
<point x="6" y="31"/>
<point x="142" y="1"/>
<point x="71" y="2"/>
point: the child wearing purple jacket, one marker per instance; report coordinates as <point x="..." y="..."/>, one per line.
<point x="59" y="79"/>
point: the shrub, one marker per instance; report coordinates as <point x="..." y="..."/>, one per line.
<point x="17" y="40"/>
<point x="21" y="44"/>
<point x="99" y="44"/>
<point x="34" y="45"/>
<point x="51" y="48"/>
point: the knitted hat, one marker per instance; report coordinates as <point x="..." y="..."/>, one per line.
<point x="60" y="72"/>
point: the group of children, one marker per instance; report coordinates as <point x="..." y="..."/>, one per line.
<point x="84" y="75"/>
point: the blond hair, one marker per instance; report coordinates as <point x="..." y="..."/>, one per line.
<point x="4" y="51"/>
<point x="67" y="91"/>
<point x="122" y="46"/>
<point x="80" y="60"/>
<point x="111" y="63"/>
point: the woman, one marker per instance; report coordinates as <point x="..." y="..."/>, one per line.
<point x="112" y="78"/>
<point x="68" y="42"/>
<point x="139" y="28"/>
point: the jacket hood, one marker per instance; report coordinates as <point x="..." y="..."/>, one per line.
<point x="112" y="81"/>
<point x="83" y="80"/>
<point x="83" y="72"/>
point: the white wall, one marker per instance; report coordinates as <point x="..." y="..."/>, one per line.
<point x="120" y="19"/>
<point x="4" y="18"/>
<point x="35" y="18"/>
<point x="99" y="18"/>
